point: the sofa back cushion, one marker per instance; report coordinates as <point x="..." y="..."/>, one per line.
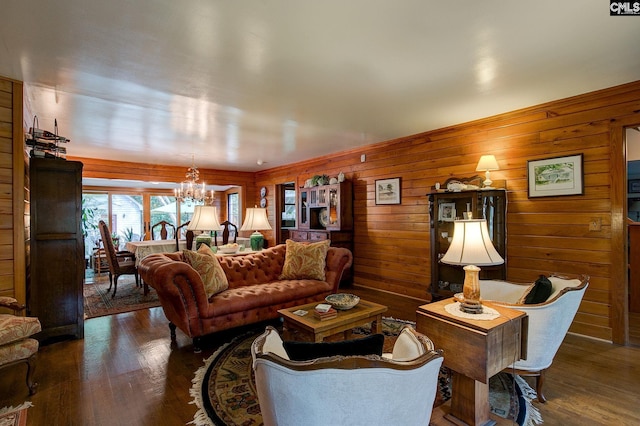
<point x="260" y="267"/>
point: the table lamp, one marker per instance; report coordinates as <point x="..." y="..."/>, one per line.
<point x="486" y="164"/>
<point x="205" y="218"/>
<point x="256" y="220"/>
<point x="471" y="246"/>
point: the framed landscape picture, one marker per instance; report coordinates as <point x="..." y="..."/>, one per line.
<point x="552" y="177"/>
<point x="388" y="191"/>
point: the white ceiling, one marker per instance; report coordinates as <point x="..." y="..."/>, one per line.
<point x="237" y="82"/>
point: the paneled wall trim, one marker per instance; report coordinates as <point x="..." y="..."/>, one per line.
<point x="544" y="235"/>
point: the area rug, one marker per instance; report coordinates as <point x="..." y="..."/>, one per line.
<point x="14" y="416"/>
<point x="97" y="302"/>
<point x="224" y="388"/>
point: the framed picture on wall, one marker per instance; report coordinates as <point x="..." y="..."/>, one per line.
<point x="557" y="176"/>
<point x="388" y="191"/>
<point x="447" y="212"/>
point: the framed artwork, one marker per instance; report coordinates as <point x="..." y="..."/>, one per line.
<point x="388" y="191"/>
<point x="447" y="212"/>
<point x="557" y="176"/>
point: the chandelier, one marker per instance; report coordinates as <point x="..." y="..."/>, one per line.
<point x="192" y="192"/>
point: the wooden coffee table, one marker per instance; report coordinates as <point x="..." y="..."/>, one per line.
<point x="309" y="328"/>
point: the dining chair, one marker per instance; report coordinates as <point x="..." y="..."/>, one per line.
<point x="120" y="262"/>
<point x="164" y="230"/>
<point x="189" y="236"/>
<point x="225" y="232"/>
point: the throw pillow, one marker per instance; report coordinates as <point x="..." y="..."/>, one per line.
<point x="538" y="292"/>
<point x="209" y="268"/>
<point x="305" y="351"/>
<point x="305" y="261"/>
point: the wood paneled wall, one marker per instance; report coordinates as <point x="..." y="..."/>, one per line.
<point x="544" y="235"/>
<point x="12" y="256"/>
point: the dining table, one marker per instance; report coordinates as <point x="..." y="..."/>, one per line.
<point x="141" y="249"/>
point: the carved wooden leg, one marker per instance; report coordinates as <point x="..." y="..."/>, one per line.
<point x="539" y="383"/>
<point x="31" y="368"/>
<point x="115" y="286"/>
<point x="172" y="328"/>
<point x="110" y="282"/>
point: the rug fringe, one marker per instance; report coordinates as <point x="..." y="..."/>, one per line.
<point x="200" y="418"/>
<point x="11" y="409"/>
<point x="533" y="414"/>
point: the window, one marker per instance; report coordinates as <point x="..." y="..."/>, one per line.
<point x="289" y="206"/>
<point x="233" y="209"/>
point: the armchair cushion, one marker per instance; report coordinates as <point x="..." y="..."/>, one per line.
<point x="14" y="328"/>
<point x="205" y="264"/>
<point x="305" y="351"/>
<point x="538" y="292"/>
<point x="305" y="261"/>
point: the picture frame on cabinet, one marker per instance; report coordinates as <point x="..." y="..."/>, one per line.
<point x="552" y="177"/>
<point x="447" y="212"/>
<point x="388" y="191"/>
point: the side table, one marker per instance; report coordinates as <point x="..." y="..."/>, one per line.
<point x="475" y="350"/>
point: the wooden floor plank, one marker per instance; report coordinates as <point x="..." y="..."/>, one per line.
<point x="125" y="372"/>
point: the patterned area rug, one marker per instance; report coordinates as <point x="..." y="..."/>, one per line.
<point x="97" y="302"/>
<point x="14" y="416"/>
<point x="224" y="388"/>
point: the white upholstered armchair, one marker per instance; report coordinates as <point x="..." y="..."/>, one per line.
<point x="398" y="388"/>
<point x="548" y="321"/>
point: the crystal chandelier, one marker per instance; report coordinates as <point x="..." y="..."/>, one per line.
<point x="192" y="192"/>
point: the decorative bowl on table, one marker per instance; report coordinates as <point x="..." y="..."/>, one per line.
<point x="342" y="301"/>
<point x="229" y="248"/>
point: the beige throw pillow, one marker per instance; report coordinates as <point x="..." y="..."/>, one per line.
<point x="206" y="264"/>
<point x="305" y="261"/>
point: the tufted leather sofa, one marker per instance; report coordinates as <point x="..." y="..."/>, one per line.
<point x="255" y="291"/>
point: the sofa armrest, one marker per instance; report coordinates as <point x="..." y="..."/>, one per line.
<point x="338" y="260"/>
<point x="180" y="290"/>
<point x="502" y="291"/>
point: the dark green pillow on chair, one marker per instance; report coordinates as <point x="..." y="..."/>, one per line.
<point x="304" y="351"/>
<point x="540" y="291"/>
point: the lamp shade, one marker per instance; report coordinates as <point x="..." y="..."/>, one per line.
<point x="255" y="220"/>
<point x="471" y="245"/>
<point x="487" y="162"/>
<point x="205" y="218"/>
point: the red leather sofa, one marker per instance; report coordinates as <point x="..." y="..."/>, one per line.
<point x="255" y="291"/>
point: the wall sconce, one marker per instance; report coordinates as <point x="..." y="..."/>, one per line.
<point x="486" y="164"/>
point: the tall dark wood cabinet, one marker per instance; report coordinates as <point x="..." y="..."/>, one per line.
<point x="56" y="267"/>
<point x="444" y="207"/>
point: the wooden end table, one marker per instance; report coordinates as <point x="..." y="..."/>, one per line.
<point x="475" y="350"/>
<point x="309" y="328"/>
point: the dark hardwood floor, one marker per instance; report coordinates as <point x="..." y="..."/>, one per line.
<point x="125" y="372"/>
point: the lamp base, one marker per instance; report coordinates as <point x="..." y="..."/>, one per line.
<point x="471" y="308"/>
<point x="257" y="241"/>
<point x="471" y="291"/>
<point x="203" y="239"/>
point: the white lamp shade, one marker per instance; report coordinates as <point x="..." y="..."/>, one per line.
<point x="255" y="220"/>
<point x="487" y="162"/>
<point x="205" y="218"/>
<point x="471" y="245"/>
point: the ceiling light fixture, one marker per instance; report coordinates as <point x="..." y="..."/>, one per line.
<point x="192" y="192"/>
